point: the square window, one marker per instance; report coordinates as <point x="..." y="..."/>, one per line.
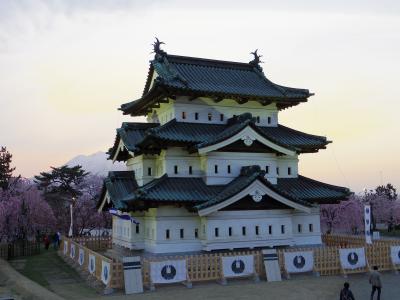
<point x="221" y="117"/>
<point x="289" y="171"/>
<point x="229" y="169"/>
<point x="196" y="116"/>
<point x="176" y="169"/>
<point x="181" y="233"/>
<point x="167" y="234"/>
<point x="190" y="170"/>
<point x="230" y="231"/>
<point x="283" y="229"/>
<point x="183" y="115"/>
<point x="244" y="230"/>
<point x="257" y="230"/>
<point x="209" y="116"/>
<point x="310" y="227"/>
<point x="216" y="232"/>
<point x="270" y="229"/>
<point x="299" y="228"/>
<point x="216" y="169"/>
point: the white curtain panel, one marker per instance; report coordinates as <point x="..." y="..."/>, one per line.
<point x="72" y="253"/>
<point x="105" y="272"/>
<point x="367" y="221"/>
<point x="92" y="263"/>
<point x="81" y="256"/>
<point x="352" y="258"/>
<point x="65" y="247"/>
<point x="299" y="262"/>
<point x="235" y="266"/>
<point x="168" y="271"/>
<point x="395" y="254"/>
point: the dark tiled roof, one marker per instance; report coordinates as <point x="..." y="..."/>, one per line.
<point x="198" y="135"/>
<point x="177" y="189"/>
<point x="311" y="190"/>
<point x="196" y="193"/>
<point x="120" y="185"/>
<point x="206" y="77"/>
<point x="130" y="134"/>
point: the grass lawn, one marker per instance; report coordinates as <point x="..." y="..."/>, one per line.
<point x="50" y="271"/>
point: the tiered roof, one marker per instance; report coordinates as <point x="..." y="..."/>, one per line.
<point x="142" y="137"/>
<point x="216" y="79"/>
<point x="194" y="193"/>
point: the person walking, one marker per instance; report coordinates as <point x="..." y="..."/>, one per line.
<point x="55" y="241"/>
<point x="59" y="239"/>
<point x="375" y="281"/>
<point x="46" y="242"/>
<point x="346" y="293"/>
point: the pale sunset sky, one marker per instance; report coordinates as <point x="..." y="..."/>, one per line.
<point x="66" y="66"/>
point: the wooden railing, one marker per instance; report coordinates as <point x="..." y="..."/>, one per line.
<point x="19" y="249"/>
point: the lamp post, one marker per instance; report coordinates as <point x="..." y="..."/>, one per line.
<point x="71" y="206"/>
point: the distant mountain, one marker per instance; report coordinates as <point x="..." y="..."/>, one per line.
<point x="96" y="164"/>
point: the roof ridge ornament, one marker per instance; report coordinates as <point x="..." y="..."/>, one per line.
<point x="157" y="47"/>
<point x="256" y="61"/>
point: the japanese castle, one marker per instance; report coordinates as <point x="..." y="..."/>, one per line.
<point x="213" y="168"/>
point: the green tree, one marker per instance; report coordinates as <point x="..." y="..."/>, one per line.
<point x="61" y="184"/>
<point x="388" y="191"/>
<point x="5" y="168"/>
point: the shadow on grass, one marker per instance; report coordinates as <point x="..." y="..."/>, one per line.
<point x="50" y="271"/>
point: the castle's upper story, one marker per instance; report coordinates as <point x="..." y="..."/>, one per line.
<point x="210" y="83"/>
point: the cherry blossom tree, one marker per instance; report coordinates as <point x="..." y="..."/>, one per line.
<point x="86" y="216"/>
<point x="24" y="213"/>
<point x="344" y="217"/>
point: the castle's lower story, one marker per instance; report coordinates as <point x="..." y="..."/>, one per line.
<point x="173" y="214"/>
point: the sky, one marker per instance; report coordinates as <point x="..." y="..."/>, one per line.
<point x="66" y="66"/>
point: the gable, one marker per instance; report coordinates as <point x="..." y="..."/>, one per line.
<point x="259" y="192"/>
<point x="247" y="136"/>
<point x="248" y="203"/>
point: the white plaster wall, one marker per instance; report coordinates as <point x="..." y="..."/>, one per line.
<point x="179" y="157"/>
<point x="140" y="165"/>
<point x="155" y="222"/>
<point x="307" y="237"/>
<point x="161" y="219"/>
<point x="204" y="165"/>
<point x="248" y="219"/>
<point x="203" y="106"/>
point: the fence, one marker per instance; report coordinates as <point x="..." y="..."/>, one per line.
<point x="95" y="243"/>
<point x="208" y="267"/>
<point x="98" y="243"/>
<point x="19" y="249"/>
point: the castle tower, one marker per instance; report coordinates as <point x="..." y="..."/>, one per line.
<point x="213" y="168"/>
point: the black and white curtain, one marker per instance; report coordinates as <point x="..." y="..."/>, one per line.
<point x="299" y="262"/>
<point x="353" y="258"/>
<point x="395" y="254"/>
<point x="235" y="266"/>
<point x="168" y="271"/>
<point x="92" y="263"/>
